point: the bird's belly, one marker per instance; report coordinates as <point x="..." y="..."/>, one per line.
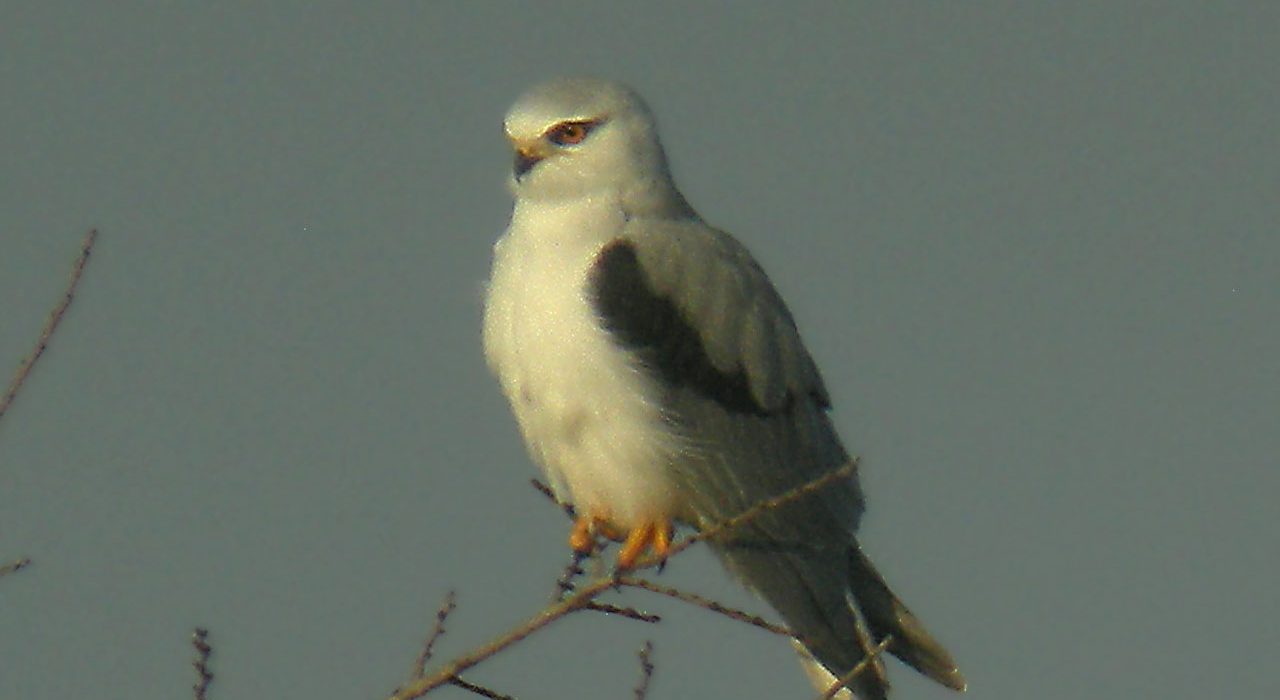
<point x="588" y="416"/>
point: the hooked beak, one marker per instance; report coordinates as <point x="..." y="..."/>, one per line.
<point x="527" y="156"/>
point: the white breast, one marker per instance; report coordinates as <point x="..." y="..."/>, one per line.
<point x="589" y="418"/>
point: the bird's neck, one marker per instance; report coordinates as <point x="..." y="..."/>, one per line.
<point x="589" y="220"/>
<point x="656" y="199"/>
<point x="646" y="198"/>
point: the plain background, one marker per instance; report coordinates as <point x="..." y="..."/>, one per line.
<point x="1033" y="247"/>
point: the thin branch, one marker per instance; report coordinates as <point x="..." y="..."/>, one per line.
<point x="754" y="512"/>
<point x="706" y="604"/>
<point x="551" y="495"/>
<point x="871" y="652"/>
<point x="584" y="598"/>
<point x="565" y="584"/>
<point x="50" y="325"/>
<point x="447" y="607"/>
<point x="200" y="640"/>
<point x="479" y="689"/>
<point x="445" y="676"/>
<point x="646" y="671"/>
<point x="873" y="657"/>
<point x="630" y="613"/>
<point x="14" y="567"/>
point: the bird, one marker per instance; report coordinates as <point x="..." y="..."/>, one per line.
<point x="659" y="381"/>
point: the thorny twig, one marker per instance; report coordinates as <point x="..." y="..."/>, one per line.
<point x="646" y="671"/>
<point x="200" y="640"/>
<point x="447" y="607"/>
<point x="50" y="325"/>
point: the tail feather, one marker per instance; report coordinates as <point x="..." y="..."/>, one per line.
<point x="886" y="615"/>
<point x="812" y="597"/>
<point x="875" y="613"/>
<point x="839" y="613"/>
<point x="822" y="679"/>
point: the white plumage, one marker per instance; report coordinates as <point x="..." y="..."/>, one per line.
<point x="588" y="416"/>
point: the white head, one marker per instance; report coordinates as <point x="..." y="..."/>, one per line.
<point x="578" y="137"/>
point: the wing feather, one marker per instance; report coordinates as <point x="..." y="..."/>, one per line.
<point x="701" y="315"/>
<point x="728" y="302"/>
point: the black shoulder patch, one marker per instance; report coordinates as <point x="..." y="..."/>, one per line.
<point x="653" y="327"/>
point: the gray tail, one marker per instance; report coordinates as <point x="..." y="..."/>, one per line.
<point x="885" y="615"/>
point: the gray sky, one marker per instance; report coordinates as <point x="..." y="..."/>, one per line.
<point x="1033" y="247"/>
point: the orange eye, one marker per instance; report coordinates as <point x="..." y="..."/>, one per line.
<point x="569" y="133"/>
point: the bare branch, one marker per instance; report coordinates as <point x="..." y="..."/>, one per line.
<point x="479" y="689"/>
<point x="746" y="516"/>
<point x="447" y="607"/>
<point x="871" y="659"/>
<point x="632" y="613"/>
<point x="14" y="567"/>
<point x="572" y="599"/>
<point x="871" y="653"/>
<point x="706" y="604"/>
<point x="50" y="325"/>
<point x="565" y="584"/>
<point x="200" y="640"/>
<point x="646" y="671"/>
<point x="761" y="508"/>
<point x="445" y="676"/>
<point x="551" y="495"/>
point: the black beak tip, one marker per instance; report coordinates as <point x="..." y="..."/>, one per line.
<point x="524" y="163"/>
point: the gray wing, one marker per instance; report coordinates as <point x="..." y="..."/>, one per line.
<point x="701" y="316"/>
<point x="706" y="313"/>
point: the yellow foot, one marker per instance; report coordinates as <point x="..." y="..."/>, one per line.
<point x="582" y="538"/>
<point x="655" y="536"/>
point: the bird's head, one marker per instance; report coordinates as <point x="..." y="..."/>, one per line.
<point x="575" y="137"/>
